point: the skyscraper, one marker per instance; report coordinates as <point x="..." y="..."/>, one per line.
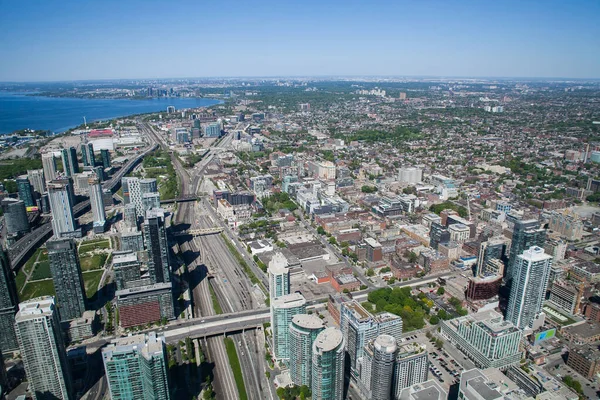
<point x="492" y="249"/>
<point x="412" y="364"/>
<point x="66" y="162"/>
<point x="525" y="234"/>
<point x="127" y="268"/>
<point x="279" y="276"/>
<point x="8" y="305"/>
<point x="25" y="191"/>
<point x="105" y="155"/>
<point x="283" y="310"/>
<point x="134" y="190"/>
<point x="155" y="236"/>
<point x="376" y="369"/>
<point x="68" y="281"/>
<point x="328" y="365"/>
<point x="130" y="216"/>
<point x="97" y="203"/>
<point x="36" y="177"/>
<point x="150" y="200"/>
<point x="90" y="154"/>
<point x="73" y="162"/>
<point x="359" y="327"/>
<point x="303" y="332"/>
<point x="42" y="349"/>
<point x="529" y="284"/>
<point x="49" y="166"/>
<point x="15" y="216"/>
<point x="136" y="368"/>
<point x="61" y="206"/>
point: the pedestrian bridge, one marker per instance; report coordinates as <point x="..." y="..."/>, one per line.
<point x="199" y="232"/>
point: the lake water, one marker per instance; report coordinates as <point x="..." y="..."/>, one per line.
<point x="57" y="114"/>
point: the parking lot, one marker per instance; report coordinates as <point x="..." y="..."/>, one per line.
<point x="442" y="366"/>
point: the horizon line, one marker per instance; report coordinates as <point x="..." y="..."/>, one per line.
<point x="321" y="77"/>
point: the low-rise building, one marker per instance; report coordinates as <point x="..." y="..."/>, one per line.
<point x="585" y="360"/>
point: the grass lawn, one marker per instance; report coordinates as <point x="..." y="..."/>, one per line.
<point x="20" y="280"/>
<point x="28" y="267"/>
<point x="213" y="296"/>
<point x="90" y="263"/>
<point x="43" y="254"/>
<point x="234" y="362"/>
<point x="91" y="281"/>
<point x="95" y="246"/>
<point x="93" y="241"/>
<point x="41" y="271"/>
<point x="37" y="289"/>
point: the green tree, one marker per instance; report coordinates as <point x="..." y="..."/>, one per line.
<point x="320" y="230"/>
<point x="370" y="272"/>
<point x="441" y="291"/>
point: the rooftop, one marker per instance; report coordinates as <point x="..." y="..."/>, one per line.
<point x="288" y="301"/>
<point x="308" y="321"/>
<point x="329" y="339"/>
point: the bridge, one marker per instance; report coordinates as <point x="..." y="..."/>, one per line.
<point x="199" y="232"/>
<point x="217" y="325"/>
<point x="184" y="199"/>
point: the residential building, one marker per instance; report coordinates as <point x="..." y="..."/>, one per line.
<point x="145" y="304"/>
<point x="412" y="365"/>
<point x="69" y="161"/>
<point x="410" y="175"/>
<point x="155" y="236"/>
<point x="42" y="349"/>
<point x="459" y="233"/>
<point x="359" y="327"/>
<point x="525" y="234"/>
<point x="567" y="295"/>
<point x="105" y="155"/>
<point x="212" y="130"/>
<point x="91" y="157"/>
<point x="137" y="368"/>
<point x="376" y="368"/>
<point x="283" y="310"/>
<point x="279" y="276"/>
<point x="556" y="248"/>
<point x="567" y="224"/>
<point x="132" y="241"/>
<point x="304" y="329"/>
<point x="15" y="216"/>
<point x="438" y="234"/>
<point x="49" y="166"/>
<point x="25" y="190"/>
<point x="8" y="305"/>
<point x="60" y="195"/>
<point x="474" y="385"/>
<point x="483" y="288"/>
<point x="130" y="216"/>
<point x="97" y="204"/>
<point x="528" y="290"/>
<point x="126" y="267"/>
<point x="328" y="365"/>
<point x="150" y="201"/>
<point x="67" y="277"/>
<point x="134" y="190"/>
<point x="491" y="249"/>
<point x="486" y="338"/>
<point x="374" y="250"/>
<point x="36" y="177"/>
<point x="428" y="390"/>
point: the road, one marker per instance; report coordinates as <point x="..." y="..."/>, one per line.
<point x="208" y="256"/>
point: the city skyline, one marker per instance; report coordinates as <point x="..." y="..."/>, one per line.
<point x="452" y="39"/>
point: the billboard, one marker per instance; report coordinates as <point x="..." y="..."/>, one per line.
<point x="541" y="336"/>
<point x="31" y="209"/>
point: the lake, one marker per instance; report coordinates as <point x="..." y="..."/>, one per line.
<point x="57" y="114"/>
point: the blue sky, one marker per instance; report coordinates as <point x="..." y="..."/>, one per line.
<point x="74" y="39"/>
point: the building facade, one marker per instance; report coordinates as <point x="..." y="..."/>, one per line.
<point x="8" y="305"/>
<point x="529" y="284"/>
<point x="155" y="236"/>
<point x="283" y="310"/>
<point x="67" y="277"/>
<point x="412" y="365"/>
<point x="304" y="329"/>
<point x="328" y="365"/>
<point x="279" y="276"/>
<point x="97" y="204"/>
<point x="136" y="368"/>
<point x="41" y="344"/>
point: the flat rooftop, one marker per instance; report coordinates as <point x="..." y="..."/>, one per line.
<point x="329" y="339"/>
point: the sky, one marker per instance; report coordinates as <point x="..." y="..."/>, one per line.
<point x="139" y="39"/>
